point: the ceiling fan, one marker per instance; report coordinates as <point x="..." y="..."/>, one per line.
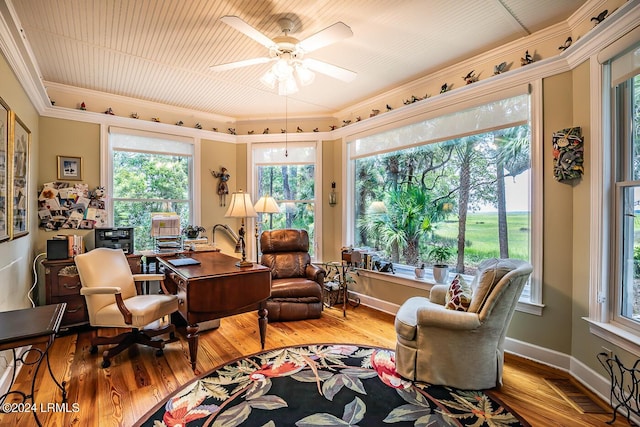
<point x="288" y="54"/>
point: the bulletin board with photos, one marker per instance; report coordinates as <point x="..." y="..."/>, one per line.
<point x="65" y="205"/>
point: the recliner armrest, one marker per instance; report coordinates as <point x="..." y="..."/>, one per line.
<point x="438" y="316"/>
<point x="101" y="290"/>
<point x="315" y="273"/>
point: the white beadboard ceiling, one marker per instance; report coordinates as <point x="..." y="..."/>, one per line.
<point x="161" y="50"/>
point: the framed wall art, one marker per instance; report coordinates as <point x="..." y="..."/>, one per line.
<point x="4" y="170"/>
<point x="69" y="168"/>
<point x="20" y="140"/>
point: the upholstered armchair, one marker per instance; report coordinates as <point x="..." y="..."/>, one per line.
<point x="462" y="349"/>
<point x="112" y="302"/>
<point x="296" y="284"/>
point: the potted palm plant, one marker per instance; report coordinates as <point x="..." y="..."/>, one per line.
<point x="440" y="255"/>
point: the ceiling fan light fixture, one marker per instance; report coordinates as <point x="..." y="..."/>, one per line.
<point x="290" y="69"/>
<point x="287" y="87"/>
<point x="282" y="69"/>
<point x="305" y="75"/>
<point x="269" y="79"/>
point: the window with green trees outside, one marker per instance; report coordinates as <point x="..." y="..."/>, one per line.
<point x="149" y="174"/>
<point x="460" y="181"/>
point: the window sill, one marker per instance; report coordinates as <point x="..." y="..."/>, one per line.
<point x="615" y="335"/>
<point x="399" y="277"/>
<point x="426" y="283"/>
<point x="529" y="307"/>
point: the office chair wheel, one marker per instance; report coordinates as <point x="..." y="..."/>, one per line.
<point x="93" y="349"/>
<point x="106" y="363"/>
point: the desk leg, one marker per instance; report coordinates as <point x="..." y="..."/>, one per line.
<point x="262" y="323"/>
<point x="192" y="337"/>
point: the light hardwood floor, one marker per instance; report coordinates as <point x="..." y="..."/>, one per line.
<point x="137" y="380"/>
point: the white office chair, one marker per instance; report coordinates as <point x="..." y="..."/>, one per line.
<point x="113" y="302"/>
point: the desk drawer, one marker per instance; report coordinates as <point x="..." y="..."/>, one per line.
<point x="76" y="312"/>
<point x="67" y="283"/>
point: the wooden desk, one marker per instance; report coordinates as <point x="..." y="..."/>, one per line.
<point x="217" y="288"/>
<point x="29" y="327"/>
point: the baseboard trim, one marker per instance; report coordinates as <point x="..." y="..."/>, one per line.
<point x="375" y="303"/>
<point x="6" y="376"/>
<point x="589" y="378"/>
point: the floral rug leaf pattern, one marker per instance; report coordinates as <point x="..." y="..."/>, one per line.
<point x="324" y="385"/>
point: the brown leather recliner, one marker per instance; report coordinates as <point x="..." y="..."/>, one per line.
<point x="296" y="284"/>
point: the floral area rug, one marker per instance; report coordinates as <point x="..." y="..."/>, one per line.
<point x="323" y="385"/>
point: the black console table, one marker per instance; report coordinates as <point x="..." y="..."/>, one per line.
<point x="29" y="327"/>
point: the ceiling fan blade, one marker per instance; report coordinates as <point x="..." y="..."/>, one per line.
<point x="239" y="64"/>
<point x="331" y="34"/>
<point x="330" y="70"/>
<point x="248" y="30"/>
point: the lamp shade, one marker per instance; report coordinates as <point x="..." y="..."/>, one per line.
<point x="267" y="204"/>
<point x="241" y="206"/>
<point x="377" y="208"/>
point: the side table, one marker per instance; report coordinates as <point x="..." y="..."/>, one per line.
<point x="29" y="327"/>
<point x="335" y="288"/>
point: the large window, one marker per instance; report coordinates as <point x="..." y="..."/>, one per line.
<point x="289" y="174"/>
<point x="149" y="173"/>
<point x="461" y="181"/>
<point x="625" y="79"/>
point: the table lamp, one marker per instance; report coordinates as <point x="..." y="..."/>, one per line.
<point x="265" y="204"/>
<point x="241" y="207"/>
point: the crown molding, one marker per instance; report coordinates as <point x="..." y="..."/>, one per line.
<point x="496" y="56"/>
<point x="135" y="103"/>
<point x="127" y="122"/>
<point x="616" y="25"/>
<point x="584" y="12"/>
<point x="619" y="23"/>
<point x="19" y="56"/>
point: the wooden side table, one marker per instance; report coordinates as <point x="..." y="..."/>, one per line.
<point x="29" y="327"/>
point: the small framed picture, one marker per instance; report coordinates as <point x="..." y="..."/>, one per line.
<point x="69" y="168"/>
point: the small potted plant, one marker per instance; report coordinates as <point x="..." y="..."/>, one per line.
<point x="440" y="255"/>
<point x="193" y="231"/>
<point x="420" y="271"/>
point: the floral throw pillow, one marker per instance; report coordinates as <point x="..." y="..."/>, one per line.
<point x="459" y="295"/>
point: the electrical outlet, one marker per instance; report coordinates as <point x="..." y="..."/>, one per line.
<point x="609" y="352"/>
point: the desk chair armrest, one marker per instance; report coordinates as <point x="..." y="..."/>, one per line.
<point x="115" y="291"/>
<point x="101" y="290"/>
<point x="145" y="277"/>
<point x="315" y="273"/>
